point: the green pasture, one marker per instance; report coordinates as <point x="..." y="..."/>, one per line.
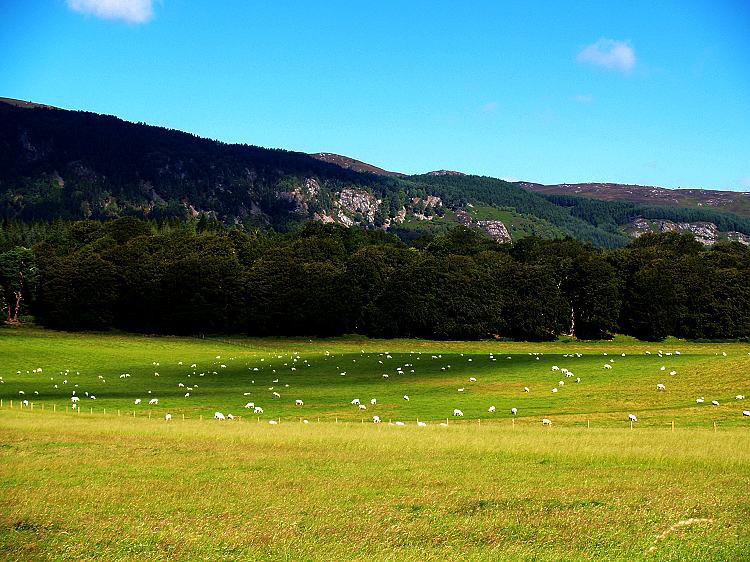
<point x="102" y="486"/>
<point x="228" y="374"/>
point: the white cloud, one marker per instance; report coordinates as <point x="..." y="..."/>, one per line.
<point x="134" y="11"/>
<point x="609" y="53"/>
<point x="489" y="107"/>
<point x="583" y="98"/>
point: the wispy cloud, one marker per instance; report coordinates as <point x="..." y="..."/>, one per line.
<point x="609" y="53"/>
<point x="134" y="11"/>
<point x="489" y="107"/>
<point x="583" y="98"/>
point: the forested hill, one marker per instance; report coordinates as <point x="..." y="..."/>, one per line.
<point x="73" y="165"/>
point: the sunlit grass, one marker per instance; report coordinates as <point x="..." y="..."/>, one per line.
<point x="84" y="486"/>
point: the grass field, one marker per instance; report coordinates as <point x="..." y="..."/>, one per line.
<point x="90" y="485"/>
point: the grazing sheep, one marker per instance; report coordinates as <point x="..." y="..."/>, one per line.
<point x="399" y="423"/>
<point x="356" y="402"/>
<point x="375" y="419"/>
<point x="458" y="413"/>
<point x="491" y="409"/>
<point x="715" y="402"/>
<point x="74" y="398"/>
<point x="277" y="395"/>
<point x="461" y="389"/>
<point x="555" y="368"/>
<point x="153" y="401"/>
<point x="526" y="389"/>
<point x="514" y="411"/>
<point x="299" y="403"/>
<point x="373" y="401"/>
<point x="167" y="417"/>
<point x="700" y="400"/>
<point x="137" y="401"/>
<point x="230" y="417"/>
<point x="219" y="416"/>
<point x="746" y="413"/>
<point x="672" y="373"/>
<point x="258" y="410"/>
<point x="406" y="397"/>
<point x="554" y="389"/>
<point x="546" y="421"/>
<point x="472" y="379"/>
<point x="273" y="422"/>
<point x="660" y="386"/>
<point x="250" y="405"/>
<point x="561" y="383"/>
<point x="578" y="379"/>
<point x="632" y="417"/>
<point x="607" y="366"/>
<point x="187" y="395"/>
<point x="421" y="423"/>
<point x="739" y="397"/>
<point x="362" y="407"/>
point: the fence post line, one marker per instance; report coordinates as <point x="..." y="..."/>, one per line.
<point x="672" y="425"/>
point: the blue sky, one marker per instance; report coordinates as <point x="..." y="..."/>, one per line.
<point x="643" y="92"/>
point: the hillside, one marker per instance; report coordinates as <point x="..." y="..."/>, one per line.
<point x="75" y="165"/>
<point x="729" y="201"/>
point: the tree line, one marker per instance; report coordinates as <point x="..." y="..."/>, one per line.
<point x="327" y="280"/>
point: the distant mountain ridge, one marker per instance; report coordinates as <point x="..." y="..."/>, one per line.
<point x="733" y="201"/>
<point x="74" y="165"/>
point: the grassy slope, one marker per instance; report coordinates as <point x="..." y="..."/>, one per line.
<point x="97" y="486"/>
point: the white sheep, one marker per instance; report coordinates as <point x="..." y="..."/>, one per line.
<point x="632" y="417"/>
<point x="715" y="402"/>
<point x="258" y="410"/>
<point x="299" y="403"/>
<point x="250" y="405"/>
<point x="746" y="413"/>
<point x="277" y="395"/>
<point x="219" y="416"/>
<point x="554" y="389"/>
<point x="607" y="366"/>
<point x="561" y="383"/>
<point x="660" y="386"/>
<point x="472" y="379"/>
<point x="739" y="397"/>
<point x="153" y="402"/>
<point x="362" y="407"/>
<point x="700" y="400"/>
<point x="375" y="419"/>
<point x="514" y="411"/>
<point x="421" y="423"/>
<point x="555" y="368"/>
<point x="461" y="389"/>
<point x="355" y="402"/>
<point x="167" y="417"/>
<point x="230" y="417"/>
<point x="74" y="398"/>
<point x="373" y="401"/>
<point x="546" y="421"/>
<point x="273" y="422"/>
<point x="526" y="389"/>
<point x="491" y="409"/>
<point x="458" y="413"/>
<point x="399" y="423"/>
<point x="406" y="397"/>
<point x="137" y="401"/>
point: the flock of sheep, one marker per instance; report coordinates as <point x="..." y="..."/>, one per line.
<point x="295" y="361"/>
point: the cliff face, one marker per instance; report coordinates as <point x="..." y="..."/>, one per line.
<point x="705" y="232"/>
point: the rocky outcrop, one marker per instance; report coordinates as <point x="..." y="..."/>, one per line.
<point x="495" y="229"/>
<point x="358" y="201"/>
<point x="705" y="232"/>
